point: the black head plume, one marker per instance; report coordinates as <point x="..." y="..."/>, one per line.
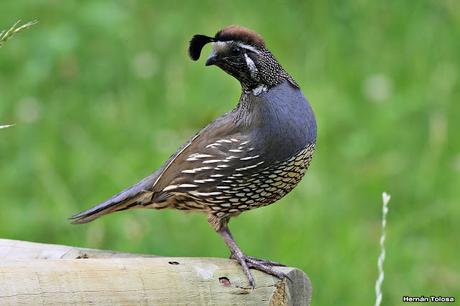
<point x="196" y="44"/>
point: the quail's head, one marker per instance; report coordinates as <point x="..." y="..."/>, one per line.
<point x="241" y="53"/>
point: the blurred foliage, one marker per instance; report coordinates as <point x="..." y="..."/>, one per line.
<point x="102" y="92"/>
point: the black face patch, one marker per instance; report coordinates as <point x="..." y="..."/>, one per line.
<point x="196" y="45"/>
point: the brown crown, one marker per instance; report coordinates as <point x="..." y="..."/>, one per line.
<point x="239" y="33"/>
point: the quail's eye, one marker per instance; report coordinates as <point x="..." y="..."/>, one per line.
<point x="236" y="50"/>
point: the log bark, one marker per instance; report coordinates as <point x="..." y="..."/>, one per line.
<point x="44" y="274"/>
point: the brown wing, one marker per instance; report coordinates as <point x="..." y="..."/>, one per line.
<point x="208" y="164"/>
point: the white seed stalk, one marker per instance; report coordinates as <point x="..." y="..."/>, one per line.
<point x="16" y="28"/>
<point x="378" y="284"/>
<point x="7" y="34"/>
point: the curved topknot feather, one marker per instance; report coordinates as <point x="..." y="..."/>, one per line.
<point x="239" y="33"/>
<point x="196" y="44"/>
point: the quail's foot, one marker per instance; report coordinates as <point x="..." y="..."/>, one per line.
<point x="267" y="266"/>
<point x="247" y="262"/>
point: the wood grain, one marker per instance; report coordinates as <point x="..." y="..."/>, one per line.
<point x="42" y="274"/>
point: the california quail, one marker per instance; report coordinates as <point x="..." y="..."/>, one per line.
<point x="250" y="157"/>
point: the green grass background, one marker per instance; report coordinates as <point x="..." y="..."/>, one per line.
<point x="102" y="92"/>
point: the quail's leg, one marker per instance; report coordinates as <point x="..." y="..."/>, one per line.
<point x="247" y="262"/>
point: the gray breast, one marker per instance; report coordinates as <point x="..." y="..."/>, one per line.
<point x="254" y="155"/>
<point x="282" y="122"/>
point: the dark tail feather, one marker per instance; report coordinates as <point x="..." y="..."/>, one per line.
<point x="100" y="210"/>
<point x="136" y="195"/>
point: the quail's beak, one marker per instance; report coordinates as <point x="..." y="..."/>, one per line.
<point x="212" y="58"/>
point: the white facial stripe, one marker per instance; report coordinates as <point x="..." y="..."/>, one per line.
<point x="248" y="47"/>
<point x="219" y="46"/>
<point x="252" y="67"/>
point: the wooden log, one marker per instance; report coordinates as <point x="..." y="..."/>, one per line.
<point x="43" y="274"/>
